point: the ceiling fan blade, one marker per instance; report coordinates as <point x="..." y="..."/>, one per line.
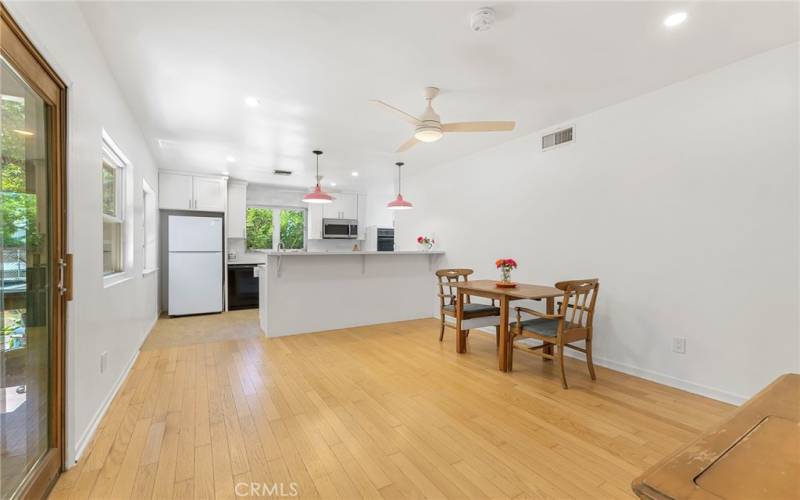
<point x="407" y="145"/>
<point x="478" y="126"/>
<point x="399" y="112"/>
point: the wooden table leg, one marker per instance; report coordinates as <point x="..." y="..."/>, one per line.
<point x="548" y="348"/>
<point x="502" y="352"/>
<point x="461" y="340"/>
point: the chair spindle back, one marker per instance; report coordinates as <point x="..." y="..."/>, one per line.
<point x="579" y="300"/>
<point x="446" y="278"/>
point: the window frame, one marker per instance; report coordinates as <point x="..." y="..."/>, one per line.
<point x="276" y="227"/>
<point x="112" y="157"/>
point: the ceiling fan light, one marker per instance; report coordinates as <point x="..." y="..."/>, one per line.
<point x="399" y="204"/>
<point x="317" y="196"/>
<point x="428" y="134"/>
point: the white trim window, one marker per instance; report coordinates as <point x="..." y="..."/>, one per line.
<point x="273" y="228"/>
<point x="150" y="229"/>
<point x="114" y="175"/>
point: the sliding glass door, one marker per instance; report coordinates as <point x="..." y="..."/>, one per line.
<point x="31" y="265"/>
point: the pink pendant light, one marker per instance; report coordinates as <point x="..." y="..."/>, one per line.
<point x="399" y="203"/>
<point x="317" y="195"/>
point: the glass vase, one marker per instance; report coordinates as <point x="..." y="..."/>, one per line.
<point x="505" y="274"/>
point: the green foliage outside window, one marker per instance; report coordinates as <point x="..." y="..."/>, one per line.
<point x="17" y="207"/>
<point x="259" y="228"/>
<point x="292" y="229"/>
<point x="110" y="191"/>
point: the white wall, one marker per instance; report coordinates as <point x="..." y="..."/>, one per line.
<point x="684" y="202"/>
<point x="377" y="198"/>
<point x="99" y="319"/>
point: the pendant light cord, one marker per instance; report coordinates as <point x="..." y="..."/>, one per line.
<point x="399" y="177"/>
<point x="317" y="153"/>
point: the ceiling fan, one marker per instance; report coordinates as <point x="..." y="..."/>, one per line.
<point x="429" y="127"/>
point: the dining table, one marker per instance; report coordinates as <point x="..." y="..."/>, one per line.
<point x="489" y="289"/>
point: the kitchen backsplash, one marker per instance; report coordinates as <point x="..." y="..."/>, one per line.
<point x="236" y="246"/>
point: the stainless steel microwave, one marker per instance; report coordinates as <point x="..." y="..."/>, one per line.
<point x="339" y="229"/>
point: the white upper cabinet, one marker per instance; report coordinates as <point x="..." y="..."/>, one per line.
<point x="175" y="191"/>
<point x="314" y="221"/>
<point x="209" y="194"/>
<point x="237" y="209"/>
<point x="178" y="191"/>
<point x="344" y="206"/>
<point x="349" y="204"/>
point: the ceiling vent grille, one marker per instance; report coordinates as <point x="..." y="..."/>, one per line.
<point x="557" y="138"/>
<point x="278" y="171"/>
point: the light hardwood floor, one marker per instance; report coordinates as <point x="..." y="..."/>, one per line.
<point x="379" y="411"/>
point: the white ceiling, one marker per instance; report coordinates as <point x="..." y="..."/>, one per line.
<point x="186" y="68"/>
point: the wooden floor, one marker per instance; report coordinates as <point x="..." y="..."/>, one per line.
<point x="380" y="411"/>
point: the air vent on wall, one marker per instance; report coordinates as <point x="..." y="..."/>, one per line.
<point x="557" y="138"/>
<point x="278" y="171"/>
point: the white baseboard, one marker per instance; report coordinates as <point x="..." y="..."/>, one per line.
<point x="84" y="441"/>
<point x="660" y="378"/>
<point x="663" y="379"/>
<point x="149" y="329"/>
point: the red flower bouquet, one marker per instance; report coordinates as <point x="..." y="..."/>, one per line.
<point x="505" y="266"/>
<point x="425" y="242"/>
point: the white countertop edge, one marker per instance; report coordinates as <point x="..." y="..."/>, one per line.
<point x="350" y="252"/>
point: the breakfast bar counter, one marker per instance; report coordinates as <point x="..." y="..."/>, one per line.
<point x="303" y="292"/>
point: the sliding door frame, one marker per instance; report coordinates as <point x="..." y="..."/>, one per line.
<point x="18" y="50"/>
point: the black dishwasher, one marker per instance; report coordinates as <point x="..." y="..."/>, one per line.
<point x="242" y="287"/>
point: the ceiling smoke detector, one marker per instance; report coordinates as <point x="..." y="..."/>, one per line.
<point x="482" y="19"/>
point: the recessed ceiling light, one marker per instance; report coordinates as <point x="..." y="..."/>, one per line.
<point x="231" y="159"/>
<point x="333" y="184"/>
<point x="675" y="19"/>
<point x="354" y="174"/>
<point x="226" y="173"/>
<point x="252" y="101"/>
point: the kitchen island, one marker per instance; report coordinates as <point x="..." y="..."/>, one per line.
<point x="302" y="292"/>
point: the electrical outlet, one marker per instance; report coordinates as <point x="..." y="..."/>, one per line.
<point x="103" y="361"/>
<point x="679" y="345"/>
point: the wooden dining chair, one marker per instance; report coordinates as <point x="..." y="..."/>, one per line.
<point x="447" y="300"/>
<point x="571" y="323"/>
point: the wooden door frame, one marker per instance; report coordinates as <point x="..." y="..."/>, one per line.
<point x="18" y="50"/>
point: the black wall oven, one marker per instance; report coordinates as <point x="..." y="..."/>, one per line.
<point x="242" y="287"/>
<point x="385" y="239"/>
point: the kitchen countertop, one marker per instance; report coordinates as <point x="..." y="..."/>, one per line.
<point x="273" y="253"/>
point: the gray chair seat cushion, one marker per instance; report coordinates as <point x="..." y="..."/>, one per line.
<point x="474" y="308"/>
<point x="542" y="326"/>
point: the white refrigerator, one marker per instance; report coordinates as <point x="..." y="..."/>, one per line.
<point x="195" y="265"/>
